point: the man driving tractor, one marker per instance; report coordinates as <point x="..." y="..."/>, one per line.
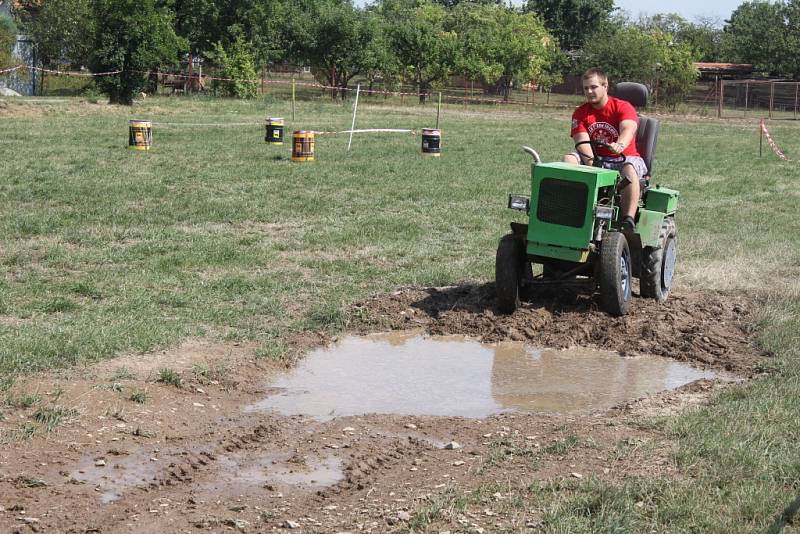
<point x="613" y="122"/>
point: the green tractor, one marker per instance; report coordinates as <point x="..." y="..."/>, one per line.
<point x="575" y="233"/>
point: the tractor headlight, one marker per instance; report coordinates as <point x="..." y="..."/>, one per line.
<point x="604" y="212"/>
<point x="517" y="202"/>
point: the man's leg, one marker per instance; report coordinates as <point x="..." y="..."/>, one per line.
<point x="630" y="191"/>
<point x="570" y="158"/>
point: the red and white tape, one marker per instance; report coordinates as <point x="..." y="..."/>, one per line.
<point x="72" y="73"/>
<point x="772" y="143"/>
<point x="11" y="69"/>
<point x="284" y="82"/>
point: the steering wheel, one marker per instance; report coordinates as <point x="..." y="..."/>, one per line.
<point x="598" y="160"/>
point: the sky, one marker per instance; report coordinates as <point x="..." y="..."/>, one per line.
<point x="688" y="9"/>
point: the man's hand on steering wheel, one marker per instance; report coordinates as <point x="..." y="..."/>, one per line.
<point x="616" y="147"/>
<point x="598" y="160"/>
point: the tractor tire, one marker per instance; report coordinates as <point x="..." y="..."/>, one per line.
<point x="509" y="268"/>
<point x="658" y="264"/>
<point x="615" y="273"/>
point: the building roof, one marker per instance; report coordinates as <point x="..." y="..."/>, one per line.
<point x="724" y="68"/>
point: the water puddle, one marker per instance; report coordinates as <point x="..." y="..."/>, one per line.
<point x="233" y="474"/>
<point x="118" y="474"/>
<point x="409" y="374"/>
<point x="237" y="473"/>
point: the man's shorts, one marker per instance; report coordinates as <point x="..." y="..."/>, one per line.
<point x="638" y="165"/>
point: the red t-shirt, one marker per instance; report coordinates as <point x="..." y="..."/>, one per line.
<point x="603" y="124"/>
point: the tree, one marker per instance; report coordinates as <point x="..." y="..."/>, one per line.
<point x="651" y="57"/>
<point x="757" y="33"/>
<point x="500" y="45"/>
<point x="625" y="53"/>
<point x="792" y="61"/>
<point x="675" y="70"/>
<point x="135" y="38"/>
<point x="424" y="48"/>
<point x="703" y="36"/>
<point x="571" y="21"/>
<point x="338" y="41"/>
<point x="238" y="69"/>
<point x="204" y="23"/>
<point x="61" y="31"/>
<point x="8" y="38"/>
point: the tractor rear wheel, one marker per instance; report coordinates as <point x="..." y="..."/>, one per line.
<point x="509" y="268"/>
<point x="615" y="273"/>
<point x="658" y="264"/>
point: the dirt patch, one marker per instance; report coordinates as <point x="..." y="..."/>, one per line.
<point x="704" y="328"/>
<point x="179" y="459"/>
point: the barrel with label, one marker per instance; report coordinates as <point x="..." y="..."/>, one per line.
<point x="140" y="134"/>
<point x="274" y="134"/>
<point x="302" y="146"/>
<point x="431" y="142"/>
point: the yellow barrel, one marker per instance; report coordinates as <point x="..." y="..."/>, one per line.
<point x="302" y="146"/>
<point x="431" y="142"/>
<point x="274" y="134"/>
<point x="140" y="134"/>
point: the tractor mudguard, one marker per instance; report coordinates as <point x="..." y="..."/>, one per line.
<point x="648" y="227"/>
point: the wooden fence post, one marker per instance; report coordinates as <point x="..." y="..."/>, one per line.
<point x="771" y="97"/>
<point x="746" y="94"/>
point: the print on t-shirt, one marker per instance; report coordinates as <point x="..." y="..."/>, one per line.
<point x="603" y="132"/>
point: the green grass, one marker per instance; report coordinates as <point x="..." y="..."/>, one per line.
<point x="123" y="373"/>
<point x="138" y="396"/>
<point x="170" y="377"/>
<point x="25" y="400"/>
<point x="213" y="233"/>
<point x="206" y="374"/>
<point x="50" y="416"/>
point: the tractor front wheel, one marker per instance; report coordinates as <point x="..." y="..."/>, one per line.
<point x="658" y="264"/>
<point x="615" y="273"/>
<point x="509" y="267"/>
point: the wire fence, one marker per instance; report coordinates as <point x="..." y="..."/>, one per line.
<point x="773" y="99"/>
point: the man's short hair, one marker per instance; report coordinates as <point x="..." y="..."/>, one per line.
<point x="594" y="71"/>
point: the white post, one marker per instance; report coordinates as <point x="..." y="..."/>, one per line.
<point x="353" y="126"/>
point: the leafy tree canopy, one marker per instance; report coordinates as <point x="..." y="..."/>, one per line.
<point x="425" y="49"/>
<point x="62" y="31"/>
<point x="572" y="21"/>
<point x="496" y="44"/>
<point x="765" y="34"/>
<point x="136" y="37"/>
<point x="631" y="53"/>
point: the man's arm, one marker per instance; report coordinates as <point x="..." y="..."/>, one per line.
<point x="585" y="151"/>
<point x="627" y="134"/>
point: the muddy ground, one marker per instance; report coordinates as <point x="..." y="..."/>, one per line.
<point x="129" y="453"/>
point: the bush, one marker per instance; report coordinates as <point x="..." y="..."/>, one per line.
<point x="238" y="66"/>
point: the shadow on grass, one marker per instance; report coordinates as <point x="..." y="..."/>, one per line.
<point x="786" y="517"/>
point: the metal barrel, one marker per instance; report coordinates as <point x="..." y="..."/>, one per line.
<point x="274" y="133"/>
<point x="302" y="146"/>
<point x="431" y="142"/>
<point x="140" y="134"/>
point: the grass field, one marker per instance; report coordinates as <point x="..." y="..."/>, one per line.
<point x="213" y="233"/>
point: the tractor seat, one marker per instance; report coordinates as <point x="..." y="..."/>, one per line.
<point x="647" y="131"/>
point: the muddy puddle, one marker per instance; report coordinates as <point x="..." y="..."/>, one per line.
<point x="411" y="374"/>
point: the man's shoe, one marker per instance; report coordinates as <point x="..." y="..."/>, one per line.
<point x="628" y="223"/>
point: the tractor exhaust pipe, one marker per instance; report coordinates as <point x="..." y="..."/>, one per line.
<point x="533" y="153"/>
